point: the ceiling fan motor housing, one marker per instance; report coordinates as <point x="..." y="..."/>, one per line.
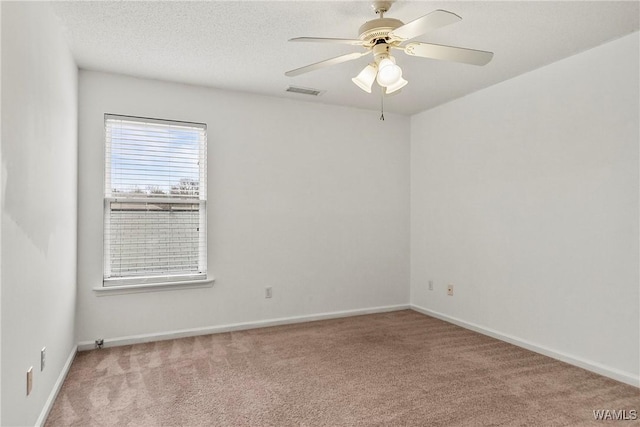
<point x="378" y="29"/>
<point x="380" y="52"/>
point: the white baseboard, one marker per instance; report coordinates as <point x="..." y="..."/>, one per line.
<point x="137" y="339"/>
<point x="56" y="388"/>
<point x="616" y="374"/>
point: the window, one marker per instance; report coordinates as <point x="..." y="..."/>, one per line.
<point x="155" y="200"/>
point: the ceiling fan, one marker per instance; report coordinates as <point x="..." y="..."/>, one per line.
<point x="381" y="35"/>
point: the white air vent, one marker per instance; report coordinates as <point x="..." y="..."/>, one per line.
<point x="305" y="90"/>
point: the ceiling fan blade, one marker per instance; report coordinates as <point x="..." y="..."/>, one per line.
<point x="448" y="53"/>
<point x="430" y="21"/>
<point x="326" y="63"/>
<point x="328" y="40"/>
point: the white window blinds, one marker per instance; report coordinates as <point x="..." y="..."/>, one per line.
<point x="155" y="201"/>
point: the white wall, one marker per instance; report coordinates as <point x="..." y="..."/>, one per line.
<point x="525" y="197"/>
<point x="39" y="206"/>
<point x="310" y="199"/>
<point x="1" y="198"/>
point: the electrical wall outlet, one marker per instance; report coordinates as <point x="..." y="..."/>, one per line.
<point x="450" y="290"/>
<point x="29" y="380"/>
<point x="430" y="285"/>
<point x="267" y="292"/>
<point x="43" y="357"/>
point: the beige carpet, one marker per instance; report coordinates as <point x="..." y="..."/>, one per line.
<point x="391" y="369"/>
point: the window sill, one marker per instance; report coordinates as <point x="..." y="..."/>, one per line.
<point x="153" y="287"/>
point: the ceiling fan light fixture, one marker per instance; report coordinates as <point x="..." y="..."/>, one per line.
<point x="388" y="72"/>
<point x="365" y="79"/>
<point x="379" y="36"/>
<point x="396" y="86"/>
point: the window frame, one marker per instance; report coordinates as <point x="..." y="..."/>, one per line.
<point x="168" y="280"/>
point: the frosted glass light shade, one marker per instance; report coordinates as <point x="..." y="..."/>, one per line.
<point x="388" y="72"/>
<point x="365" y="79"/>
<point x="396" y="86"/>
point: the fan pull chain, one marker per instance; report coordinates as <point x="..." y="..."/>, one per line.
<point x="381" y="105"/>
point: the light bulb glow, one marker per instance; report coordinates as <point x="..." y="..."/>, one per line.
<point x="388" y="72"/>
<point x="365" y="79"/>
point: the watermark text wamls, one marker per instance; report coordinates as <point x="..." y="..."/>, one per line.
<point x="615" y="414"/>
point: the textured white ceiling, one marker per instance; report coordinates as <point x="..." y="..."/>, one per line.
<point x="242" y="45"/>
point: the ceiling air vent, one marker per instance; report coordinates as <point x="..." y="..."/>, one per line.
<point x="305" y="90"/>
